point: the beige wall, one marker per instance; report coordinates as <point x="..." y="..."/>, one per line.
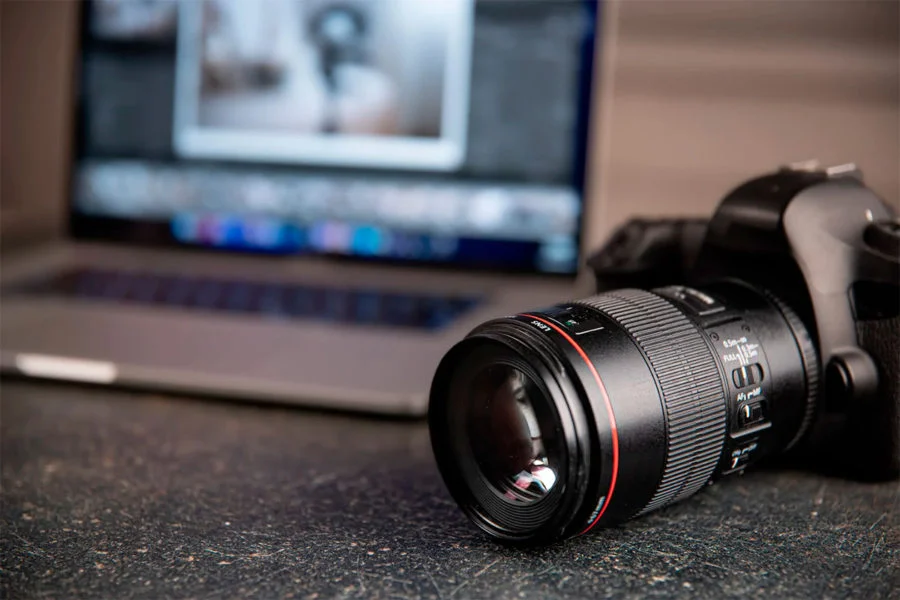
<point x="701" y="94"/>
<point x="704" y="93"/>
<point x="37" y="43"/>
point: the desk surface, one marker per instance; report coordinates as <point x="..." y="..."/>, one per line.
<point x="133" y="496"/>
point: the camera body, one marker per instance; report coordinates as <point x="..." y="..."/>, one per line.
<point x="821" y="242"/>
<point x="770" y="332"/>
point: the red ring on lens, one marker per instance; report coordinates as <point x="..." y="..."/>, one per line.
<point x="609" y="411"/>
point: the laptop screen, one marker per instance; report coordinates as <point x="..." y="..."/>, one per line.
<point x="442" y="132"/>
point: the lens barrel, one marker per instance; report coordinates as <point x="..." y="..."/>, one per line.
<point x="586" y="414"/>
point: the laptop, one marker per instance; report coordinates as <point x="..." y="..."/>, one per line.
<point x="307" y="201"/>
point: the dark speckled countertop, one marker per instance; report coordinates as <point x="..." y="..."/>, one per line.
<point x="117" y="495"/>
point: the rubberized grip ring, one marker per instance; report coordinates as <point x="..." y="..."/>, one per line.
<point x="689" y="381"/>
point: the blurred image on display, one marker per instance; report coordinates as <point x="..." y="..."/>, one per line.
<point x="135" y="20"/>
<point x="324" y="81"/>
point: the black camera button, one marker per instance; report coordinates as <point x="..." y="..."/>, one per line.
<point x="697" y="302"/>
<point x="883" y="237"/>
<point x="742" y="455"/>
<point x="851" y="375"/>
<point x="747" y="375"/>
<point x="750" y="413"/>
<point x="577" y="322"/>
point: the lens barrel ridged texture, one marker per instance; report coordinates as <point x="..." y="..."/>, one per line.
<point x="691" y="385"/>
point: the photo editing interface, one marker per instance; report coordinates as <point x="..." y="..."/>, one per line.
<point x="447" y="131"/>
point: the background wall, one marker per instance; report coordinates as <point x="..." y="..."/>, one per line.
<point x="703" y="93"/>
<point x="37" y="44"/>
<point x="707" y="92"/>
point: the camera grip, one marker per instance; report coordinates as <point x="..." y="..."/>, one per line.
<point x="875" y="427"/>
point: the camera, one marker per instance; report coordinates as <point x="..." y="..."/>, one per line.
<point x="770" y="332"/>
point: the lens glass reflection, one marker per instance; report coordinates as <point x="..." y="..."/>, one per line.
<point x="512" y="436"/>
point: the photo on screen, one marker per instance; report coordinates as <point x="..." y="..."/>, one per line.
<point x="356" y="83"/>
<point x="148" y="20"/>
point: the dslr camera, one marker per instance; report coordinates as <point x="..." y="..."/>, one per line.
<point x="772" y="331"/>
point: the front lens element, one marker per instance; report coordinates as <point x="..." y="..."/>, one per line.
<point x="505" y="437"/>
<point x="508" y="441"/>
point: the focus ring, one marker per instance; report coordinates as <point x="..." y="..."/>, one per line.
<point x="690" y="382"/>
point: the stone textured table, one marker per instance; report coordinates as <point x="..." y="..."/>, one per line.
<point x="117" y="495"/>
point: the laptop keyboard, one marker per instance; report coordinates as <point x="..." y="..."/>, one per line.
<point x="271" y="300"/>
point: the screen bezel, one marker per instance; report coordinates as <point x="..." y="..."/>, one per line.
<point x="145" y="233"/>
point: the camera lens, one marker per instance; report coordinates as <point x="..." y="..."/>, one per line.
<point x="505" y="436"/>
<point x="550" y="423"/>
<point x="512" y="441"/>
